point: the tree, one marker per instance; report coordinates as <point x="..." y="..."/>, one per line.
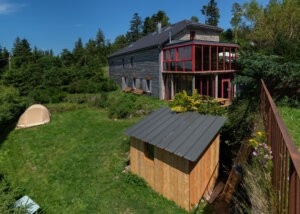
<point x="237" y="13"/>
<point x="21" y="54"/>
<point x="276" y="24"/>
<point x="4" y="57"/>
<point x="194" y="19"/>
<point x="211" y="13"/>
<point x="136" y="25"/>
<point x="150" y="23"/>
<point x="100" y="38"/>
<point x="121" y="41"/>
<point x="78" y="53"/>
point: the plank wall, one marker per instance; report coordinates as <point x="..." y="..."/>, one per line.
<point x="204" y="172"/>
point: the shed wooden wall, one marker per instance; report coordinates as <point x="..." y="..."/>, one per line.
<point x="204" y="172"/>
<point x="167" y="174"/>
<point x="174" y="177"/>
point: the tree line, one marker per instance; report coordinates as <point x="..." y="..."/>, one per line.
<point x="269" y="49"/>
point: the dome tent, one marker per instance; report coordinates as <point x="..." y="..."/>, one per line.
<point x="33" y="116"/>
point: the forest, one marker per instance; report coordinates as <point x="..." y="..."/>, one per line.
<point x="269" y="40"/>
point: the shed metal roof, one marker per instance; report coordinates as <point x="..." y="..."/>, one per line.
<point x="184" y="134"/>
<point x="154" y="39"/>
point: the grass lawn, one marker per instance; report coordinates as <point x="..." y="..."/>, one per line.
<point x="291" y="118"/>
<point x="74" y="164"/>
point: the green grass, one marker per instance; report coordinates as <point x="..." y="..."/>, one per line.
<point x="291" y="118"/>
<point x="74" y="164"/>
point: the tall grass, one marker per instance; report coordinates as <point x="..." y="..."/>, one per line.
<point x="291" y="118"/>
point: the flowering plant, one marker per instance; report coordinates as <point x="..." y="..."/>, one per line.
<point x="262" y="153"/>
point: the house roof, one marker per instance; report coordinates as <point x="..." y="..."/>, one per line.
<point x="154" y="39"/>
<point x="185" y="134"/>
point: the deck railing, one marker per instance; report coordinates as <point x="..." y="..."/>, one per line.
<point x="286" y="157"/>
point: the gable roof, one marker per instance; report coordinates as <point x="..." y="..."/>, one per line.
<point x="185" y="134"/>
<point x="154" y="39"/>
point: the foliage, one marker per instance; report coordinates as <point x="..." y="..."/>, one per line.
<point x="8" y="197"/>
<point x="236" y="19"/>
<point x="135" y="31"/>
<point x="278" y="18"/>
<point x="194" y="19"/>
<point x="203" y="104"/>
<point x="280" y="78"/>
<point x="150" y="23"/>
<point x="241" y="116"/>
<point x="262" y="154"/>
<point x="291" y="118"/>
<point x="211" y="13"/>
<point x="122" y="105"/>
<point x="11" y="106"/>
<point x="79" y="169"/>
<point x="257" y="193"/>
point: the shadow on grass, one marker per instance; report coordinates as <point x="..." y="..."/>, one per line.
<point x="6" y="128"/>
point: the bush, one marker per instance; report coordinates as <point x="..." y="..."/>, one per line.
<point x="8" y="197"/>
<point x="203" y="104"/>
<point x="122" y="107"/>
<point x="46" y="95"/>
<point x="11" y="106"/>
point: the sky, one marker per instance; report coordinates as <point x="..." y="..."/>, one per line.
<point x="57" y="24"/>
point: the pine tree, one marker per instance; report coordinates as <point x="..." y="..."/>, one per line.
<point x="211" y="13"/>
<point x="136" y="25"/>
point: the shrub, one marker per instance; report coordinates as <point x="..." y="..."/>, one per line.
<point x="11" y="106"/>
<point x="46" y="95"/>
<point x="122" y="107"/>
<point x="8" y="196"/>
<point x="203" y="104"/>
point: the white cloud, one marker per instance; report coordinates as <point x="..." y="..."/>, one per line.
<point x="8" y="8"/>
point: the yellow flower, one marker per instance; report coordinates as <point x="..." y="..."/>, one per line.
<point x="253" y="142"/>
<point x="260" y="134"/>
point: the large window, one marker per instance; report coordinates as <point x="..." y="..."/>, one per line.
<point x="178" y="59"/>
<point x="200" y="57"/>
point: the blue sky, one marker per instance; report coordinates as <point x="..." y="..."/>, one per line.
<point x="57" y="24"/>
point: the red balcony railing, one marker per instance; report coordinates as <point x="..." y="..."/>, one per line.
<point x="286" y="157"/>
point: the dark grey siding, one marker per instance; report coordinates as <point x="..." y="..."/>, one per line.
<point x="142" y="65"/>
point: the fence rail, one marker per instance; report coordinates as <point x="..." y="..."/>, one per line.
<point x="286" y="157"/>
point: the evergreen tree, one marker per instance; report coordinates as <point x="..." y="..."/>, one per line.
<point x="136" y="25"/>
<point x="4" y="59"/>
<point x="21" y="54"/>
<point x="211" y="13"/>
<point x="150" y="23"/>
<point x="78" y="53"/>
<point x="194" y="19"/>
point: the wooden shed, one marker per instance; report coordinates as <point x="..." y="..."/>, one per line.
<point x="177" y="154"/>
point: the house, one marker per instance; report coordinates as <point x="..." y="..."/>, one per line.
<point x="183" y="56"/>
<point x="177" y="154"/>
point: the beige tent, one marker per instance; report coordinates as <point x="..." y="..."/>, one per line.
<point x="33" y="116"/>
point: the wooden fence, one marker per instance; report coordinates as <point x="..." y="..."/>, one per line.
<point x="286" y="157"/>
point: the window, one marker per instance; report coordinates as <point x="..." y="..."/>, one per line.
<point x="149" y="151"/>
<point x="134" y="83"/>
<point x="178" y="59"/>
<point x="131" y="61"/>
<point x="124" y="82"/>
<point x="148" y="85"/>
